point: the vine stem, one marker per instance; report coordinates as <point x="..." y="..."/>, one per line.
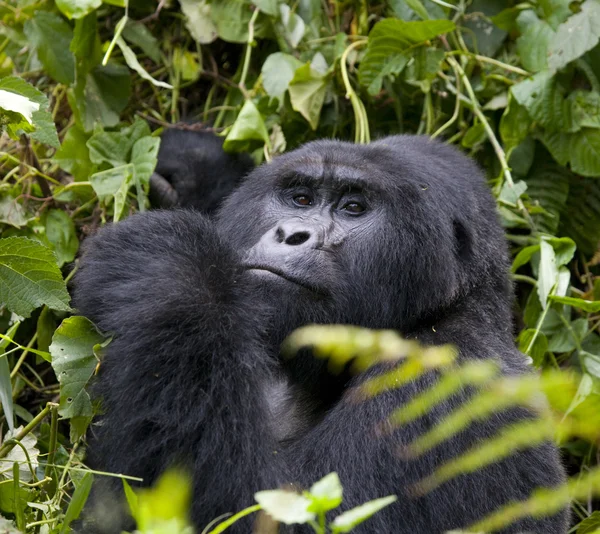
<point x="360" y="114"/>
<point x="500" y="154"/>
<point x="246" y="66"/>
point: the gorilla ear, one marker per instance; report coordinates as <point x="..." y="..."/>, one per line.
<point x="463" y="240"/>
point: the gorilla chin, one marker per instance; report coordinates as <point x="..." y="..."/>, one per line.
<point x="266" y="272"/>
<point x="401" y="233"/>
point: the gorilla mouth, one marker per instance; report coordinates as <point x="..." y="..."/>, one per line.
<point x="286" y="276"/>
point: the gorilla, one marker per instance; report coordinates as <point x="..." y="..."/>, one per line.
<point x="399" y="234"/>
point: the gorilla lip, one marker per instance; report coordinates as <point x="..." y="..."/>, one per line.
<point x="285" y="276"/>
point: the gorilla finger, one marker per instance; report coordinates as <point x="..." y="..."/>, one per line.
<point x="162" y="193"/>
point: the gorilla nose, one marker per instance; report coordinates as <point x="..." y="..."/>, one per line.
<point x="294" y="234"/>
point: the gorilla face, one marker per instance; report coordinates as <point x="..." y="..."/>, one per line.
<point x="343" y="232"/>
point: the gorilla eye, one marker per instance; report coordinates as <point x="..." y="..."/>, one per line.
<point x="302" y="200"/>
<point x="354" y="207"/>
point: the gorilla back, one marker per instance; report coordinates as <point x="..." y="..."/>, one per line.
<point x="398" y="234"/>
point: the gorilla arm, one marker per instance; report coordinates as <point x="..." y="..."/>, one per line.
<point x="179" y="381"/>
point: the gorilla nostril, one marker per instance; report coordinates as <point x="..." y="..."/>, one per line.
<point x="297" y="238"/>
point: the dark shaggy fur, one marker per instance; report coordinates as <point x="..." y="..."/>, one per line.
<point x="199" y="308"/>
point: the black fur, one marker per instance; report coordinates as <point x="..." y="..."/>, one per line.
<point x="199" y="308"/>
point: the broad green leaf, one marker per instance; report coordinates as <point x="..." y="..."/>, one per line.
<point x="37" y="121"/>
<point x="104" y="95"/>
<point x="78" y="500"/>
<point x="548" y="185"/>
<point x="74" y="362"/>
<point x="585" y="305"/>
<point x="404" y="10"/>
<point x="590" y="525"/>
<point x="12" y="212"/>
<point x="537" y="349"/>
<point x="474" y="135"/>
<point x="134" y="64"/>
<point x="555" y="11"/>
<point x="26" y="462"/>
<point x="585" y="152"/>
<point x="277" y="72"/>
<point x="564" y="249"/>
<point x="524" y="256"/>
<point x="114" y="184"/>
<point x="391" y="37"/>
<point x="30" y="277"/>
<point x="6" y="390"/>
<point x="144" y="156"/>
<point x="348" y="520"/>
<point x="585" y="107"/>
<point x="568" y="339"/>
<point x="249" y="126"/>
<point x="285" y="506"/>
<point x="75" y="9"/>
<point x="418" y="8"/>
<point x="307" y="93"/>
<point x="578" y="34"/>
<point x="60" y="232"/>
<point x="270" y="7"/>
<point x="581" y="218"/>
<point x="326" y="494"/>
<point x="51" y="36"/>
<point x="139" y="35"/>
<point x="293" y="25"/>
<point x="514" y="124"/>
<point x="231" y="18"/>
<point x="481" y="36"/>
<point x="74" y="155"/>
<point x="532" y="46"/>
<point x="511" y="193"/>
<point x="198" y="20"/>
<point x="544" y="101"/>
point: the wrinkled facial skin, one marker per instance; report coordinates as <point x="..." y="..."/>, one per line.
<point x="350" y="231"/>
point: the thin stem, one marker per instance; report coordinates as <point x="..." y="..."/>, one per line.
<point x="21" y="359"/>
<point x="53" y="438"/>
<point x="362" y="134"/>
<point x="225" y="524"/>
<point x="490" y="134"/>
<point x="246" y="65"/>
<point x="455" y="114"/>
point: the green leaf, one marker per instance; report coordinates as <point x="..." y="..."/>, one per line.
<point x="307" y="93"/>
<point x="588" y="306"/>
<point x="37" y="120"/>
<point x="514" y="124"/>
<point x="293" y="25"/>
<point x="585" y="106"/>
<point x="590" y="525"/>
<point x="134" y="64"/>
<point x="278" y="71"/>
<point x="348" y="520"/>
<point x="544" y="101"/>
<point x="270" y="7"/>
<point x="555" y="11"/>
<point x="75" y="9"/>
<point x="73" y="360"/>
<point x="114" y="184"/>
<point x="139" y="35"/>
<point x="418" y="8"/>
<point x="584" y="150"/>
<point x="548" y="271"/>
<point x="532" y="46"/>
<point x="105" y="94"/>
<point x="74" y="155"/>
<point x="581" y="219"/>
<point x="51" y="36"/>
<point x="30" y="277"/>
<point x="249" y="126"/>
<point x="524" y="256"/>
<point x="198" y="20"/>
<point x="511" y="193"/>
<point x="538" y="350"/>
<point x="580" y="33"/>
<point x="6" y="390"/>
<point x="568" y="339"/>
<point x="60" y="231"/>
<point x="391" y="37"/>
<point x="285" y="506"/>
<point x="12" y="212"/>
<point x="78" y="500"/>
<point x="326" y="494"/>
<point x="231" y="18"/>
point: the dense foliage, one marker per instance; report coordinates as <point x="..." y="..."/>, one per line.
<point x="86" y="86"/>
